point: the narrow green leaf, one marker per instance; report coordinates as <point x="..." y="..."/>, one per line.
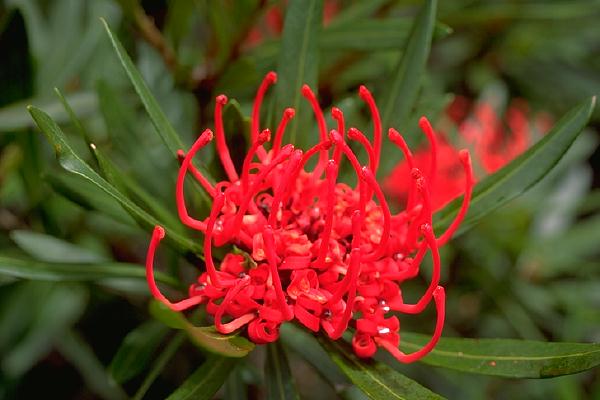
<point x="51" y="272"/>
<point x="89" y="196"/>
<point x="489" y="13"/>
<point x="157" y="116"/>
<point x="507" y="357"/>
<point x="134" y="191"/>
<point x="49" y="248"/>
<point x="206" y="380"/>
<point x="226" y="345"/>
<point x="136" y="351"/>
<point x="376" y="380"/>
<point x="159" y="119"/>
<point x="62" y="306"/>
<point x="404" y="87"/>
<point x="15" y="117"/>
<point x="70" y="161"/>
<point x="356" y="12"/>
<point x="306" y="346"/>
<point x="205" y="337"/>
<point x="522" y="173"/>
<point x="373" y="34"/>
<point x="278" y="376"/>
<point x="298" y="64"/>
<point x="235" y="387"/>
<point x="73" y="348"/>
<point x="170" y="318"/>
<point x="73" y="117"/>
<point x="369" y="35"/>
<point x="566" y="252"/>
<point x="160" y="364"/>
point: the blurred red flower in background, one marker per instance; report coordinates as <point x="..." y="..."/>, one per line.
<point x="494" y="143"/>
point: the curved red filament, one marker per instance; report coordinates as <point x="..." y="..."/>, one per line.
<point x="428" y="130"/>
<point x="439" y="296"/>
<point x="368" y="98"/>
<point x="465" y="159"/>
<point x="310" y="96"/>
<point x="355" y="134"/>
<point x="420" y="305"/>
<point x="269" y="80"/>
<point x="288" y="114"/>
<point x="272" y="259"/>
<point x="204" y="138"/>
<point x="338" y="115"/>
<point x="157" y="235"/>
<point x="201" y="179"/>
<point x="222" y="149"/>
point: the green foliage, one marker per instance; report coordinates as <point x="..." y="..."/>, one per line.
<point x="278" y="377"/>
<point x="73" y="234"/>
<point x="298" y="64"/>
<point x="376" y="380"/>
<point x="205" y="337"/>
<point x="506" y="357"/>
<point x="70" y="161"/>
<point x="207" y="379"/>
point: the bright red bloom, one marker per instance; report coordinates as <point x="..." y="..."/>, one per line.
<point x="484" y="132"/>
<point x="320" y="252"/>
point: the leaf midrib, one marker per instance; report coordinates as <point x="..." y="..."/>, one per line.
<point x="499" y="358"/>
<point x="215" y="367"/>
<point x="369" y="373"/>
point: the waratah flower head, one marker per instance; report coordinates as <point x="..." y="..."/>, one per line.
<point x="320" y="252"/>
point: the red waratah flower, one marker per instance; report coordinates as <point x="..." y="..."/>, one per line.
<point x="319" y="252"/>
<point x="484" y="132"/>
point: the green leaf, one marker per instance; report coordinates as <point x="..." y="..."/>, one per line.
<point x="73" y="163"/>
<point x="160" y="364"/>
<point x="61" y="307"/>
<point x="159" y="119"/>
<point x="492" y="13"/>
<point x="298" y="64"/>
<point x="51" y="272"/>
<point x="404" y="86"/>
<point x="134" y="191"/>
<point x="205" y="337"/>
<point x="89" y="196"/>
<point x="278" y="377"/>
<point x="74" y="349"/>
<point x="507" y="357"/>
<point x="73" y="117"/>
<point x="356" y="12"/>
<point x="376" y="380"/>
<point x="136" y="351"/>
<point x="49" y="248"/>
<point x="15" y="117"/>
<point x="522" y="173"/>
<point x="566" y="252"/>
<point x="372" y="34"/>
<point x="226" y="345"/>
<point x="206" y="380"/>
<point x="306" y="346"/>
<point x="157" y="116"/>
